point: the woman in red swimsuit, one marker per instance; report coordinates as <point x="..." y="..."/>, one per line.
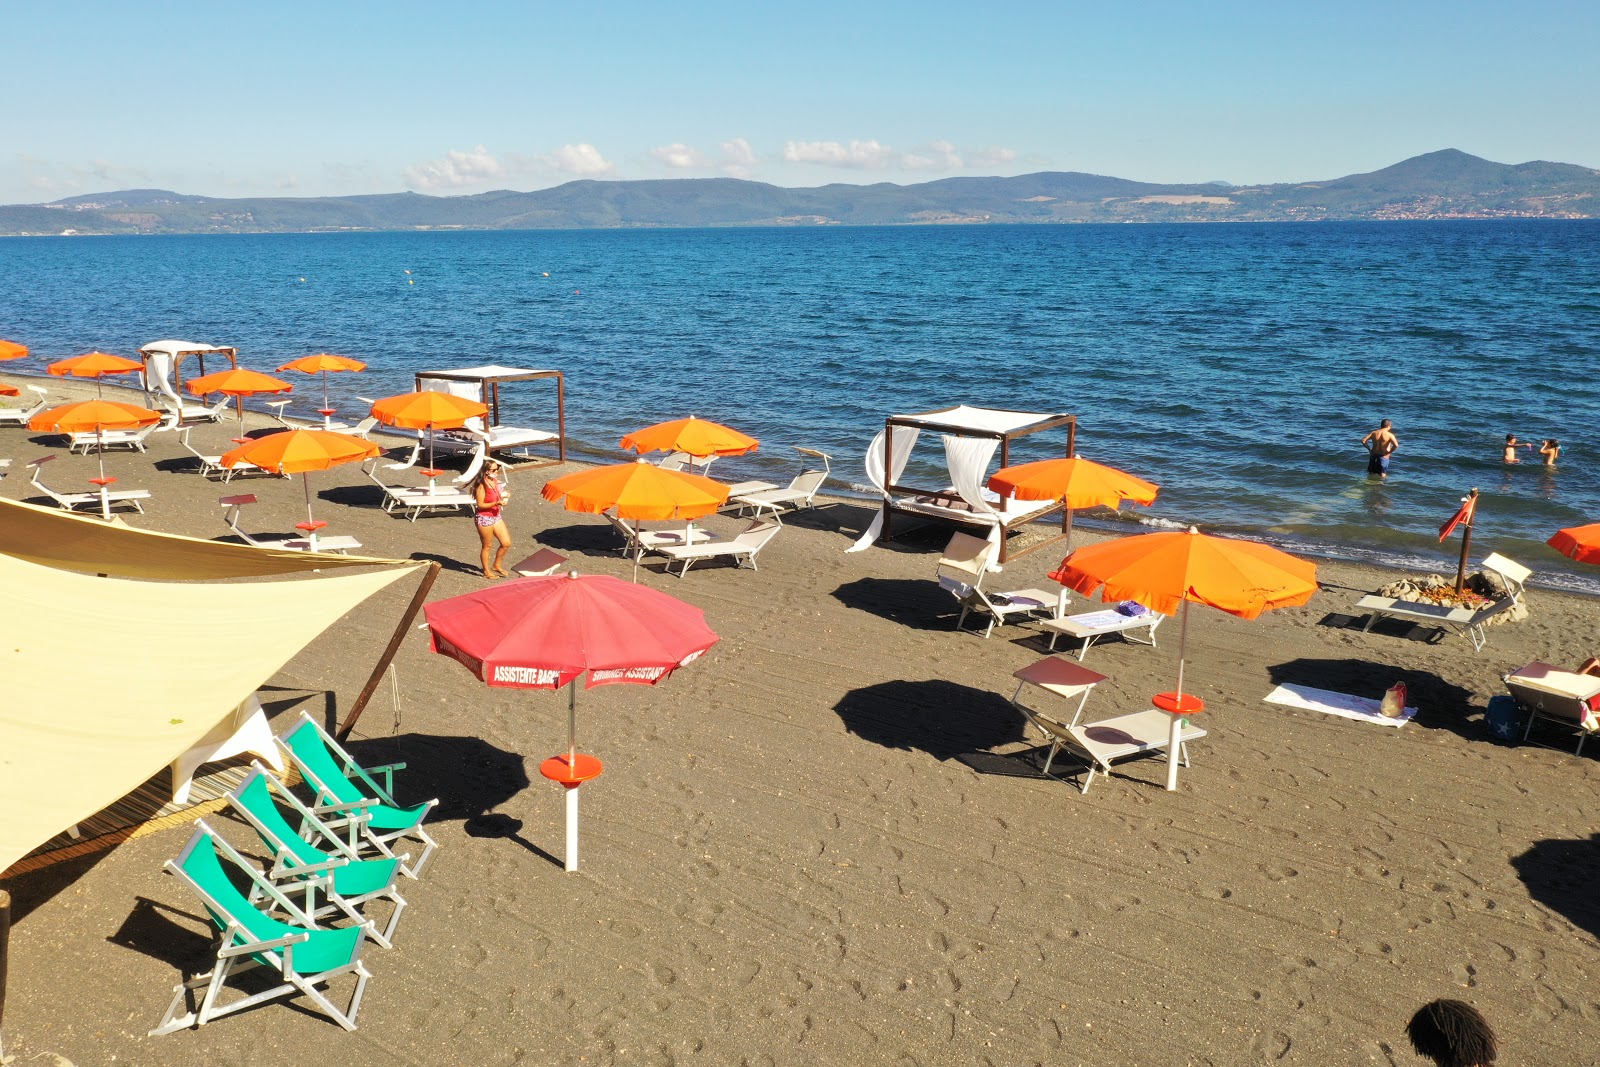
<point x="491" y="494"/>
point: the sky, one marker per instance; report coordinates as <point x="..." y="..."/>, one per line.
<point x="343" y="98"/>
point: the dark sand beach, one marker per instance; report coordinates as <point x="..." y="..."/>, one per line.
<point x="827" y="841"/>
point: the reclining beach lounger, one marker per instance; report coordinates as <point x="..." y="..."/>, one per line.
<point x="73" y="501"/>
<point x="801" y="492"/>
<point x="304" y="955"/>
<point x="1108" y="741"/>
<point x="233" y="505"/>
<point x="743" y="548"/>
<point x="133" y="440"/>
<point x="961" y="572"/>
<point x="1462" y="620"/>
<point x="1546" y="692"/>
<point x="1090" y="626"/>
<point x="416" y="499"/>
<point x="636" y="539"/>
<point x="190" y="413"/>
<point x="20" y="416"/>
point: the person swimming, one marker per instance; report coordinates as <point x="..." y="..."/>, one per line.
<point x="1380" y="445"/>
<point x="1512" y="444"/>
<point x="1551" y="451"/>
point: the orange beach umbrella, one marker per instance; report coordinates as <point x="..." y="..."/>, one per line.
<point x="321" y="363"/>
<point x="1079" y="482"/>
<point x="94" y="365"/>
<point x="1166" y="571"/>
<point x="637" y="490"/>
<point x="95" y="416"/>
<point x="1581" y="543"/>
<point x="300" y="452"/>
<point x="429" y="409"/>
<point x="698" y="437"/>
<point x="238" y="383"/>
<point x="12" y="350"/>
<point x="9" y="390"/>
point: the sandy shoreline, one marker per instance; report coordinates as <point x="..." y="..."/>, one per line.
<point x="805" y="849"/>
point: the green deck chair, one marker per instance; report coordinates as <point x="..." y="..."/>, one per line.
<point x="304" y="954"/>
<point x="345" y="788"/>
<point x="326" y="862"/>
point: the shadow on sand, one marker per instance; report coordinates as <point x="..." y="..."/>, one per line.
<point x="941" y="718"/>
<point x="1562" y="875"/>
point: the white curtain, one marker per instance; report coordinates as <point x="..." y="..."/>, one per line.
<point x="904" y="440"/>
<point x="158" y="377"/>
<point x="465" y="390"/>
<point x="968" y="459"/>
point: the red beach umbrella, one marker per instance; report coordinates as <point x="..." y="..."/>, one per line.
<point x="1581" y="543"/>
<point x="548" y="632"/>
<point x="1166" y="571"/>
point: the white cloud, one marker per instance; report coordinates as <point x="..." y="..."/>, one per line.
<point x="858" y="155"/>
<point x="940" y="155"/>
<point x="456" y="169"/>
<point x="583" y="160"/>
<point x="991" y="157"/>
<point x="678" y="157"/>
<point x="738" y="157"/>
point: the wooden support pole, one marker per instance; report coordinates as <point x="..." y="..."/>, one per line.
<point x="423" y="588"/>
<point x="1466" y="541"/>
<point x="561" y="416"/>
<point x="5" y="948"/>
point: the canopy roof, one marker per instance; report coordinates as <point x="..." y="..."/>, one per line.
<point x="85" y="543"/>
<point x="981" y="420"/>
<point x="108" y="680"/>
<point x="490" y="371"/>
<point x="180" y="348"/>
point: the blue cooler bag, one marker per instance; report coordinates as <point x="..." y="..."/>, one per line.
<point x="1503" y="718"/>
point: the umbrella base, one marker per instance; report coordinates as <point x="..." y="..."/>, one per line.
<point x="581" y="770"/>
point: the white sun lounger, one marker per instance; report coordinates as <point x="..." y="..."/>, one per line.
<point x="638" y="539"/>
<point x="20" y="416"/>
<point x="1090" y="626"/>
<point x="961" y="571"/>
<point x="801" y="493"/>
<point x="73" y="501"/>
<point x="1463" y="620"/>
<point x="1546" y="692"/>
<point x="741" y="549"/>
<point x="233" y="504"/>
<point x="415" y="499"/>
<point x="1106" y="742"/>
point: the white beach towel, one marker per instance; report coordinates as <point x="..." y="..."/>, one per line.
<point x="1362" y="709"/>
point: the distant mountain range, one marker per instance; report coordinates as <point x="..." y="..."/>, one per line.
<point x="1440" y="185"/>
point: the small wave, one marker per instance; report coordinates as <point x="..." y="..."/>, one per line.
<point x="1160" y="523"/>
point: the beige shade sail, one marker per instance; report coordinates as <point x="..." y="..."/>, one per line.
<point x="107" y="680"/>
<point x="85" y="543"/>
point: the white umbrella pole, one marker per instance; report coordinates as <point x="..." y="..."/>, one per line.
<point x="572" y="767"/>
<point x="1174" y="739"/>
<point x="311" y="534"/>
<point x="100" y="453"/>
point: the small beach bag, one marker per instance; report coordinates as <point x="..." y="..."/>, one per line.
<point x="1394" y="701"/>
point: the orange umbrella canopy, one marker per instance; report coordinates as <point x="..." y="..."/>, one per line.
<point x="237" y="381"/>
<point x="9" y="390"/>
<point x="90" y="416"/>
<point x="427" y="408"/>
<point x="12" y="350"/>
<point x="1080" y="482"/>
<point x="297" y="451"/>
<point x="1161" y="570"/>
<point x="1581" y="543"/>
<point x="322" y="363"/>
<point x="93" y="365"/>
<point x="638" y="490"/>
<point x="697" y="437"/>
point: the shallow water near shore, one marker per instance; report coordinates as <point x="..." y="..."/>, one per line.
<point x="1236" y="365"/>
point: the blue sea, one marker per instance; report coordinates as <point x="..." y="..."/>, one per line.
<point x="1237" y="366"/>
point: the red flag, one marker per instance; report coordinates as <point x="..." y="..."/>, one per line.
<point x="1462" y="515"/>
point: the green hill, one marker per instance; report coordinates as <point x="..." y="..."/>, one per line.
<point x="1445" y="184"/>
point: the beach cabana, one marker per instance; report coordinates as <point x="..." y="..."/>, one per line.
<point x="163" y="362"/>
<point x="495" y="435"/>
<point x="970" y="437"/>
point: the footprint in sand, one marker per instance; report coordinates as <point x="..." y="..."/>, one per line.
<point x="1273" y="872"/>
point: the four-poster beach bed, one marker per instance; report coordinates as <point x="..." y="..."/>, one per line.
<point x="971" y="436"/>
<point x="483" y="385"/>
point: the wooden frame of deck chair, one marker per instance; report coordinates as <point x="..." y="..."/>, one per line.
<point x="742" y="548"/>
<point x="961" y="571"/>
<point x="73" y="501"/>
<point x="801" y="492"/>
<point x="319" y="860"/>
<point x="304" y="954"/>
<point x="344" y="787"/>
<point x="1462" y="620"/>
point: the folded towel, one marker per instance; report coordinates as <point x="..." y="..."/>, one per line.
<point x="1132" y="608"/>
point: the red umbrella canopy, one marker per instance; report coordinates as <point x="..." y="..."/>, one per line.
<point x="1162" y="570"/>
<point x="1581" y="543"/>
<point x="541" y="633"/>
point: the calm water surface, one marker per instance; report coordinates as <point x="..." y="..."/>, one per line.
<point x="1236" y="365"/>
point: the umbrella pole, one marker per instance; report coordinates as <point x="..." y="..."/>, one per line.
<point x="572" y="723"/>
<point x="572" y="766"/>
<point x="1175" y="737"/>
<point x="100" y="454"/>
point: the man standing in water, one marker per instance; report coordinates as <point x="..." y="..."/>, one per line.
<point x="1380" y="445"/>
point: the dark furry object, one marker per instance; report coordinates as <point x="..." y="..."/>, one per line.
<point x="1452" y="1033"/>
